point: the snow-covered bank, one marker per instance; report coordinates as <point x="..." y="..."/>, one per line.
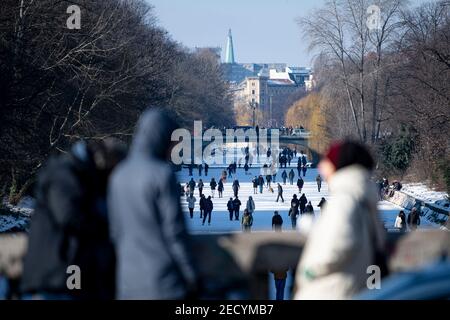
<point x="434" y="205"/>
<point x="16" y="218"/>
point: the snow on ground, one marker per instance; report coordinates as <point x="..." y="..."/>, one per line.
<point x="265" y="202"/>
<point x="423" y="193"/>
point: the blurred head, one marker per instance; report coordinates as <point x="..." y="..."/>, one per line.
<point x="295" y="196"/>
<point x="250" y="198"/>
<point x="275" y="213"/>
<point x="344" y="154"/>
<point x="153" y="134"/>
<point x="107" y="153"/>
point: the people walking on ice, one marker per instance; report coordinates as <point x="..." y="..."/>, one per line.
<point x="220" y="188"/>
<point x="309" y="209"/>
<point x="280" y="193"/>
<point x="200" y="186"/>
<point x="291" y="176"/>
<point x="236" y="207"/>
<point x="236" y="187"/>
<point x="209" y="206"/>
<point x="284" y="176"/>
<point x="255" y="185"/>
<point x="191" y="186"/>
<point x="348" y="236"/>
<point x="293" y="212"/>
<point x="261" y="183"/>
<point x="213" y="185"/>
<point x="200" y="169"/>
<point x="247" y="221"/>
<point x="303" y="201"/>
<point x="319" y="182"/>
<point x="322" y="204"/>
<point x="191" y="204"/>
<point x="400" y="221"/>
<point x="230" y="208"/>
<point x="143" y="203"/>
<point x="300" y="183"/>
<point x="277" y="222"/>
<point x="206" y="169"/>
<point x="413" y="219"/>
<point x="202" y="204"/>
<point x="250" y="205"/>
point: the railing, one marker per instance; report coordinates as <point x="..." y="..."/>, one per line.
<point x="237" y="265"/>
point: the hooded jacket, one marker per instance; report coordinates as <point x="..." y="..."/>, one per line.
<point x="147" y="225"/>
<point x="340" y="247"/>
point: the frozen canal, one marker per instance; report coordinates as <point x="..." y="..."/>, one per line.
<point x="265" y="203"/>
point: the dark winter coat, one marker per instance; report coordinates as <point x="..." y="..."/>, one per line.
<point x="277" y="221"/>
<point x="237" y="204"/>
<point x="202" y="203"/>
<point x="69" y="227"/>
<point x="255" y="183"/>
<point x="300" y="183"/>
<point x="230" y="205"/>
<point x="213" y="184"/>
<point x="280" y="189"/>
<point x="147" y="224"/>
<point x="295" y="203"/>
<point x="303" y="201"/>
<point x="220" y="186"/>
<point x="291" y="174"/>
<point x="209" y="206"/>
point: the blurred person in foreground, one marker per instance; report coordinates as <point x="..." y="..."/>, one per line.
<point x="148" y="227"/>
<point x="348" y="236"/>
<point x="70" y="225"/>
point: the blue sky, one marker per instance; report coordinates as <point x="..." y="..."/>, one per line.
<point x="263" y="30"/>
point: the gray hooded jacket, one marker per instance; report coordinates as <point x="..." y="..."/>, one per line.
<point x="146" y="221"/>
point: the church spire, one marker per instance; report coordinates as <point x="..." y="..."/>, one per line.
<point x="229" y="54"/>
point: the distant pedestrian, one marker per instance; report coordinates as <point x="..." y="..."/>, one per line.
<point x="236" y="187"/>
<point x="208" y="210"/>
<point x="413" y="219"/>
<point x="247" y="221"/>
<point x="260" y="183"/>
<point x="304" y="169"/>
<point x="268" y="180"/>
<point x="200" y="186"/>
<point x="220" y="188"/>
<point x="319" y="182"/>
<point x="250" y="205"/>
<point x="300" y="183"/>
<point x="190" y="168"/>
<point x="191" y="186"/>
<point x="206" y="169"/>
<point x="277" y="222"/>
<point x="237" y="207"/>
<point x="202" y="205"/>
<point x="213" y="185"/>
<point x="246" y="167"/>
<point x="291" y="176"/>
<point x="200" y="169"/>
<point x="322" y="204"/>
<point x="191" y="204"/>
<point x="280" y="193"/>
<point x="230" y="208"/>
<point x="284" y="176"/>
<point x="309" y="208"/>
<point x="255" y="185"/>
<point x="303" y="201"/>
<point x="400" y="221"/>
<point x="294" y="211"/>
